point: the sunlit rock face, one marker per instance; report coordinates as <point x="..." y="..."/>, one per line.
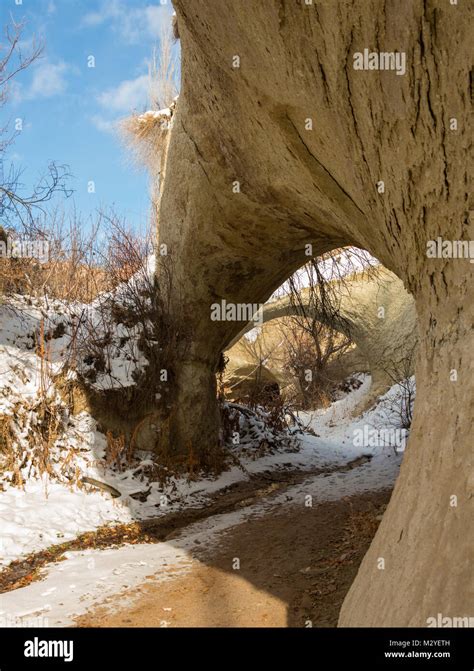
<point x="279" y="142"/>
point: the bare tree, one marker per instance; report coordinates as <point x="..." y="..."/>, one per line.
<point x="399" y="408"/>
<point x="13" y="61"/>
<point x="316" y="333"/>
<point x="308" y="354"/>
<point x="15" y="207"/>
<point x="340" y="265"/>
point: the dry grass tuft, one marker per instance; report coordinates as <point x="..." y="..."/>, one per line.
<point x="145" y="134"/>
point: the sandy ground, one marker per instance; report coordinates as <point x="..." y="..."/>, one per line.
<point x="290" y="568"/>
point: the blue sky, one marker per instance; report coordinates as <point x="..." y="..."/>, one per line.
<point x="69" y="109"/>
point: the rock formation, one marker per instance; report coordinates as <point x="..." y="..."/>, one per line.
<point x="277" y="143"/>
<point x="377" y="314"/>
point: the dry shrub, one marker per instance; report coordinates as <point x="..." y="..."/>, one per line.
<point x="85" y="259"/>
<point x="262" y="419"/>
<point x="13" y="274"/>
<point x="145" y="134"/>
<point x="30" y="436"/>
<point x="307" y="358"/>
<point x="7" y="446"/>
<point x="259" y="430"/>
<point x="126" y="251"/>
<point x="135" y="322"/>
<point x="28" y="439"/>
<point x="399" y="409"/>
<point x="71" y="272"/>
<point x="117" y="455"/>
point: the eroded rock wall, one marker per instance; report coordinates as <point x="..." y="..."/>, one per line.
<point x="249" y="182"/>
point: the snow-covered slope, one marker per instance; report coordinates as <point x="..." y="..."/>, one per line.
<point x="43" y="499"/>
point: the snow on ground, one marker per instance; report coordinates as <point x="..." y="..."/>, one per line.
<point x="48" y="512"/>
<point x="379" y="473"/>
<point x="43" y="514"/>
<point x="88" y="578"/>
<point x="38" y="339"/>
<point x="56" y="507"/>
<point x="91" y="577"/>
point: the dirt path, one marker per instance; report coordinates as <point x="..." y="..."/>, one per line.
<point x="296" y="565"/>
<point x="238" y="495"/>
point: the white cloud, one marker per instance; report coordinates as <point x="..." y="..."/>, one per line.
<point x="109" y="11"/>
<point x="155" y="18"/>
<point x="104" y="125"/>
<point x="131" y="23"/>
<point x="48" y="80"/>
<point x="130" y="94"/>
<point x="51" y="7"/>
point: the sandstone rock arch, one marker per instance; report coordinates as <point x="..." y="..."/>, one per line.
<point x="247" y="186"/>
<point x="241" y="381"/>
<point x="384" y="339"/>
